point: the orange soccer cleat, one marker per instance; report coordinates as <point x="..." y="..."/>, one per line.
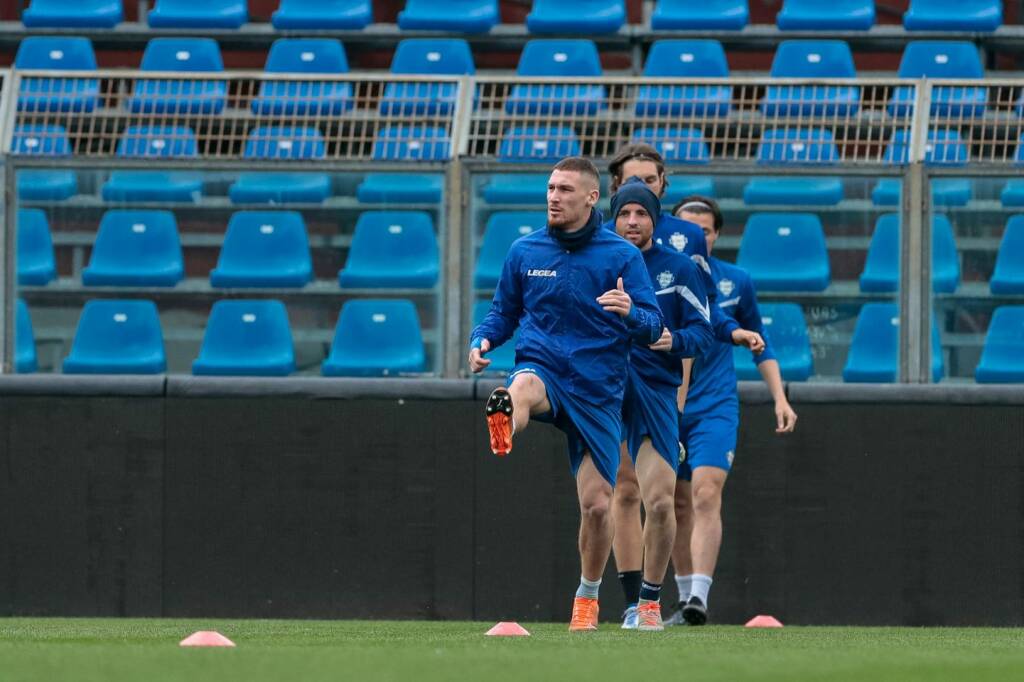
<point x="584" y="615"/>
<point x="649" y="616"/>
<point x="499" y="421"/>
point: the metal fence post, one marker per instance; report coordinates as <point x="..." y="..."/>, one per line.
<point x="8" y="244"/>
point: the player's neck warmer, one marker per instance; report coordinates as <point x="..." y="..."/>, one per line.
<point x="571" y="241"/>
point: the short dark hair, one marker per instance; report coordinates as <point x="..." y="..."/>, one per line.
<point x="637" y="151"/>
<point x="581" y="165"/>
<point x="699" y="204"/>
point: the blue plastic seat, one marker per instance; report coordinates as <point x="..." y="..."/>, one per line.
<point x="282" y="142"/>
<point x="25" y="361"/>
<point x="555" y="59"/>
<point x="812" y="59"/>
<point x="304" y="98"/>
<point x="686" y="15"/>
<point x="786" y="330"/>
<point x="1012" y="193"/>
<point x="73" y="14"/>
<point x="503" y="358"/>
<point x="945" y="191"/>
<point x="681" y="186"/>
<point x="392" y="249"/>
<point x="117" y="337"/>
<point x="516" y="188"/>
<point x="835" y="15"/>
<point x="412" y="143"/>
<point x="136" y="248"/>
<point x="264" y="249"/>
<point x="246" y="338"/>
<point x="143" y="185"/>
<point x="192" y="14"/>
<point x="785" y="252"/>
<point x="502" y="229"/>
<point x="169" y="96"/>
<point x="1008" y="276"/>
<point x="458" y="16"/>
<point x="1002" y="358"/>
<point x="942" y="59"/>
<point x="882" y="267"/>
<point x="685" y="59"/>
<point x="874" y="351"/>
<point x="790" y="146"/>
<point x="676" y="145"/>
<point x="36" y="265"/>
<point x="942" y="148"/>
<point x="953" y="15"/>
<point x="376" y="337"/>
<point x="400" y="188"/>
<point x="541" y="144"/>
<point x="57" y="94"/>
<point x="443" y="56"/>
<point x="323" y="14"/>
<point x="576" y="16"/>
<point x="40" y="140"/>
<point x="43" y="140"/>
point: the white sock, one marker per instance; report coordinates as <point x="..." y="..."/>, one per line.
<point x="683" y="583"/>
<point x="700" y="587"/>
<point x="588" y="588"/>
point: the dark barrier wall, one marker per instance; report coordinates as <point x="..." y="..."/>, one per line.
<point x="322" y="499"/>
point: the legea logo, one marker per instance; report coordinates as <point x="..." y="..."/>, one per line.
<point x="541" y="273"/>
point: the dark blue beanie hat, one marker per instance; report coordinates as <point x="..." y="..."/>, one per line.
<point x="636" y="191"/>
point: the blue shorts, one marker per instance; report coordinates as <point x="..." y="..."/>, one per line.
<point x="650" y="412"/>
<point x="587" y="427"/>
<point x="710" y="441"/>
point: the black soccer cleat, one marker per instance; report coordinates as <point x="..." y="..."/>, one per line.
<point x="695" y="613"/>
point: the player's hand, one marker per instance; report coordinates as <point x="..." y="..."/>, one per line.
<point x="477" y="361"/>
<point x="752" y="340"/>
<point x="785" y="417"/>
<point x="664" y="342"/>
<point x="616" y="300"/>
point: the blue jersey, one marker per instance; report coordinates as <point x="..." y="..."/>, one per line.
<point x="713" y="380"/>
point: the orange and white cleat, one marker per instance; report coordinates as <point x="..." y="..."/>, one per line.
<point x="649" y="616"/>
<point x="499" y="421"/>
<point x="584" y="615"/>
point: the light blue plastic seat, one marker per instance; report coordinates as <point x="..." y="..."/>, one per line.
<point x="43" y="184"/>
<point x="676" y="145"/>
<point x="945" y="191"/>
<point x="954" y="15"/>
<point x="685" y="59"/>
<point x="812" y="59"/>
<point x="687" y="15"/>
<point x="79" y="95"/>
<point x="942" y="148"/>
<point x="555" y="59"/>
<point x="786" y="330"/>
<point x="376" y="337"/>
<point x="541" y="144"/>
<point x="1008" y="276"/>
<point x="424" y="56"/>
<point x="942" y="59"/>
<point x="143" y="185"/>
<point x="882" y="267"/>
<point x="282" y="142"/>
<point x="503" y="358"/>
<point x="400" y="188"/>
<point x="25" y="361"/>
<point x="136" y="248"/>
<point x="323" y="14"/>
<point x="246" y="338"/>
<point x="455" y="16"/>
<point x="392" y="249"/>
<point x="264" y="249"/>
<point x="834" y="15"/>
<point x="803" y="147"/>
<point x="36" y="265"/>
<point x="192" y="14"/>
<point x="304" y="98"/>
<point x="73" y="14"/>
<point x="1002" y="357"/>
<point x="680" y="186"/>
<point x="516" y="188"/>
<point x="874" y="351"/>
<point x="412" y="143"/>
<point x="117" y="337"/>
<point x="576" y="16"/>
<point x="785" y="252"/>
<point x="503" y="228"/>
<point x="170" y="96"/>
<point x="1013" y="192"/>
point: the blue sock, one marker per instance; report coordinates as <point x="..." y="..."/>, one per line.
<point x="588" y="589"/>
<point x="649" y="591"/>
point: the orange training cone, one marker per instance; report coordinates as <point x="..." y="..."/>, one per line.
<point x="508" y="629"/>
<point x="206" y="638"/>
<point x="763" y="622"/>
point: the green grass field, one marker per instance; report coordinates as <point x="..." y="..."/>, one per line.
<point x="304" y="651"/>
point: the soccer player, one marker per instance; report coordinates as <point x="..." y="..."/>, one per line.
<point x="708" y="426"/>
<point x="650" y="423"/>
<point x="581" y="296"/>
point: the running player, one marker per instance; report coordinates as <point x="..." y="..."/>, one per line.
<point x="581" y="296"/>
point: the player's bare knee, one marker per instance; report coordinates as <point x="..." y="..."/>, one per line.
<point x="627" y="491"/>
<point x="596" y="507"/>
<point x="707" y="499"/>
<point x="660" y="508"/>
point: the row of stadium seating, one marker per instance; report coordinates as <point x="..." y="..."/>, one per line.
<point x="547" y="16"/>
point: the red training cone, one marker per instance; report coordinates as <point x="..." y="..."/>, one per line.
<point x="206" y="638"/>
<point x="763" y="622"/>
<point x="508" y="629"/>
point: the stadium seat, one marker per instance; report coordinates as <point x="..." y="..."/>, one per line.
<point x="392" y="249"/>
<point x="686" y="15"/>
<point x="412" y="143"/>
<point x="945" y="191"/>
<point x="680" y="186"/>
<point x="137" y="249"/>
<point x="676" y="145"/>
<point x="685" y="59"/>
<point x="304" y="98"/>
<point x="443" y="56"/>
<point x="555" y="59"/>
<point x="43" y="140"/>
<point x="503" y="358"/>
<point x="791" y="146"/>
<point x="117" y="337"/>
<point x="541" y="144"/>
<point x="953" y="15"/>
<point x="400" y="188"/>
<point x="503" y="228"/>
<point x="785" y="252"/>
<point x="246" y="338"/>
<point x="25" y="361"/>
<point x="376" y="337"/>
<point x="874" y="351"/>
<point x="786" y="330"/>
<point x="282" y="142"/>
<point x="1002" y="358"/>
<point x="169" y="96"/>
<point x="1008" y="277"/>
<point x="192" y="14"/>
<point x="942" y="148"/>
<point x="323" y="14"/>
<point x="73" y="14"/>
<point x="264" y="249"/>
<point x="882" y="267"/>
<point x="57" y="94"/>
<point x="834" y="15"/>
<point x="1012" y="193"/>
<point x="576" y="16"/>
<point x="36" y="265"/>
<point x="516" y="188"/>
<point x="940" y="59"/>
<point x="460" y="16"/>
<point x="812" y="59"/>
<point x="143" y="185"/>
